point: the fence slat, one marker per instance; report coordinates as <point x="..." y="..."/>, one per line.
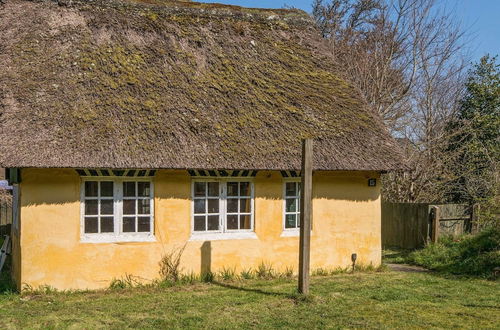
<point x="408" y="225"/>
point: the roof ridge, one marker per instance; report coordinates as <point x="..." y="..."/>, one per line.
<point x="290" y="16"/>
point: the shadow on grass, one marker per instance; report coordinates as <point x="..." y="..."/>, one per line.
<point x="395" y="255"/>
<point x="296" y="297"/>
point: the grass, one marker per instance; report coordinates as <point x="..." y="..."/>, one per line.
<point x="373" y="300"/>
<point x="395" y="255"/>
<point x="471" y="255"/>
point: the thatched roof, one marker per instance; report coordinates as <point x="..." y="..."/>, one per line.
<point x="161" y="84"/>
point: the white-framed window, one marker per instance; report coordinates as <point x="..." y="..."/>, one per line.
<point x="117" y="209"/>
<point x="291" y="205"/>
<point x="222" y="206"/>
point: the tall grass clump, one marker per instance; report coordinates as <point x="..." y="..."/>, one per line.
<point x="476" y="255"/>
<point x="170" y="269"/>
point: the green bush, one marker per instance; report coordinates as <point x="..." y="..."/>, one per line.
<point x="476" y="255"/>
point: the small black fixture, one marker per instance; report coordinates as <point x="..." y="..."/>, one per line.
<point x="372" y="182"/>
<point x="354" y="256"/>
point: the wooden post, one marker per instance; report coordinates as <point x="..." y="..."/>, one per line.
<point x="305" y="216"/>
<point x="474" y="219"/>
<point x="435" y="224"/>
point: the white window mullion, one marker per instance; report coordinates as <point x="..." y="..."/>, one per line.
<point x="99" y="207"/>
<point x="223" y="206"/>
<point x="117" y="206"/>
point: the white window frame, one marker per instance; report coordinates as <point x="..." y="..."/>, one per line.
<point x="290" y="231"/>
<point x="117" y="235"/>
<point x="224" y="233"/>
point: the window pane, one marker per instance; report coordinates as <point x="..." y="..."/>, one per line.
<point x="91" y="188"/>
<point x="143" y="206"/>
<point x="143" y="189"/>
<point x="129" y="206"/>
<point x="290" y="221"/>
<point x="90" y="225"/>
<point x="91" y="207"/>
<point x="106" y="189"/>
<point x="199" y="223"/>
<point x="213" y="189"/>
<point x="244" y="188"/>
<point x="200" y="189"/>
<point x="232" y="222"/>
<point x="213" y="206"/>
<point x="291" y="189"/>
<point x="143" y="224"/>
<point x="232" y="188"/>
<point x="129" y="189"/>
<point x="199" y="206"/>
<point x="213" y="222"/>
<point x="245" y="222"/>
<point x="128" y="224"/>
<point x="291" y="204"/>
<point x="232" y="205"/>
<point x="106" y="206"/>
<point x="107" y="225"/>
<point x="245" y="205"/>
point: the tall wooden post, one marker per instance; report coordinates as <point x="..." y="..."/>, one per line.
<point x="305" y="216"/>
<point x="435" y="224"/>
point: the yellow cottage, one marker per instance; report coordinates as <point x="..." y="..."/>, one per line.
<point x="131" y="129"/>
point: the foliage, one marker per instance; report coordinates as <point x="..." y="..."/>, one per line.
<point x="476" y="255"/>
<point x="395" y="255"/>
<point x="128" y="281"/>
<point x="227" y="274"/>
<point x="247" y="274"/>
<point x="373" y="300"/>
<point x="170" y="269"/>
<point x="478" y="144"/>
<point x="207" y="277"/>
<point x="265" y="271"/>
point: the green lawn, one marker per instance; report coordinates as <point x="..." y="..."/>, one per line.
<point x="373" y="300"/>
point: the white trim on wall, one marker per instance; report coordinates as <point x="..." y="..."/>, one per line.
<point x="289" y="232"/>
<point x="223" y="232"/>
<point x="117" y="235"/>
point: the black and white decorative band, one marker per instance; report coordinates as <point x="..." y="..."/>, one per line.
<point x="107" y="172"/>
<point x="290" y="174"/>
<point x="223" y="173"/>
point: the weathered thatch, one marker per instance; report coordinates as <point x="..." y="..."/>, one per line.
<point x="161" y="84"/>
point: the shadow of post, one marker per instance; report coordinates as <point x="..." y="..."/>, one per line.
<point x="206" y="258"/>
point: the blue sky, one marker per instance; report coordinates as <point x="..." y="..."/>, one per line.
<point x="481" y="17"/>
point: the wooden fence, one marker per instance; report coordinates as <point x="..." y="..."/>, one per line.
<point x="411" y="225"/>
<point x="5" y="218"/>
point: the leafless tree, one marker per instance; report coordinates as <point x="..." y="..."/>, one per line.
<point x="406" y="57"/>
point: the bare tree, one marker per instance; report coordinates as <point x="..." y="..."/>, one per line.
<point x="406" y="58"/>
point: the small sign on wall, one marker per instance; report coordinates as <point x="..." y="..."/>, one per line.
<point x="372" y="182"/>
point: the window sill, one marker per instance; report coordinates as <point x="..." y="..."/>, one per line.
<point x="117" y="239"/>
<point x="290" y="233"/>
<point x="222" y="236"/>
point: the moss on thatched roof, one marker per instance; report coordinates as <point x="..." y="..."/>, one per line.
<point x="162" y="84"/>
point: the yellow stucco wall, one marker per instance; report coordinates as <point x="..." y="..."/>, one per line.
<point x="346" y="220"/>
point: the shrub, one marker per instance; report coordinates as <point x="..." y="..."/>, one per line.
<point x="128" y="281"/>
<point x="476" y="255"/>
<point x="287" y="273"/>
<point x="207" y="277"/>
<point x="265" y="271"/>
<point x="320" y="272"/>
<point x="189" y="278"/>
<point x="227" y="274"/>
<point x="247" y="274"/>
